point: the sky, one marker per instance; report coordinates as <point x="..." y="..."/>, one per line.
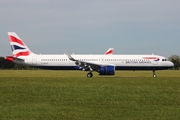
<point x="93" y="26"/>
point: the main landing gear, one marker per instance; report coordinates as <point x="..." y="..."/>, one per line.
<point x="154" y="73"/>
<point x="89" y="75"/>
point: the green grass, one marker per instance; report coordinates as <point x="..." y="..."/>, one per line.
<point x="41" y="94"/>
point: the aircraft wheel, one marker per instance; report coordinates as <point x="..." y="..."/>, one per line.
<point x="154" y="74"/>
<point x="89" y="75"/>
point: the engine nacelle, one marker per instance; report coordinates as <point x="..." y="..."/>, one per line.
<point x="107" y="70"/>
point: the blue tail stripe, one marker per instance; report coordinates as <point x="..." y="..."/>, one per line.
<point x="17" y="47"/>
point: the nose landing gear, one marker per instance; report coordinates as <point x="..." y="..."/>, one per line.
<point x="154" y="74"/>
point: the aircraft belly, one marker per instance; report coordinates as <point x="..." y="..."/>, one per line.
<point x="142" y="67"/>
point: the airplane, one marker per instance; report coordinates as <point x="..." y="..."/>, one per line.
<point x="109" y="51"/>
<point x="103" y="64"/>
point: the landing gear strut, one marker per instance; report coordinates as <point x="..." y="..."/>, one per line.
<point x="154" y="73"/>
<point x="89" y="75"/>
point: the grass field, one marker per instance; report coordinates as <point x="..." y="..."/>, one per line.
<point x="129" y="95"/>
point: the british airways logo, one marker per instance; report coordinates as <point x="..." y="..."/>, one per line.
<point x="18" y="47"/>
<point x="152" y="58"/>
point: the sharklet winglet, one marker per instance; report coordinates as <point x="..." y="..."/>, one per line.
<point x="69" y="56"/>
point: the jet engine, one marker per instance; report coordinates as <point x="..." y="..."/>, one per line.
<point x="107" y="70"/>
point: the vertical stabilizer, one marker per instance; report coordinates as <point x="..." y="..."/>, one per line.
<point x="18" y="47"/>
<point x="109" y="51"/>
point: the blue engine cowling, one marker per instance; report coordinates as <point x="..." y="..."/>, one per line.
<point x="107" y="70"/>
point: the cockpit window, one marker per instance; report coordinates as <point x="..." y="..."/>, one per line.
<point x="164" y="59"/>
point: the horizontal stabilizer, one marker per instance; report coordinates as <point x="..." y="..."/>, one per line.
<point x="12" y="59"/>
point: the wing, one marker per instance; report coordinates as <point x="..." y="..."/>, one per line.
<point x="86" y="66"/>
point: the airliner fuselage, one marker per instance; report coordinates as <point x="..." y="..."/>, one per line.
<point x="121" y="62"/>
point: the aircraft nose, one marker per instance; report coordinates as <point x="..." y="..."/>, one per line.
<point x="171" y="64"/>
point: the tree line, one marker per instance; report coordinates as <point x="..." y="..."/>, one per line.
<point x="4" y="64"/>
<point x="176" y="60"/>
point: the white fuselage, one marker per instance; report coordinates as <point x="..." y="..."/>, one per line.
<point x="121" y="62"/>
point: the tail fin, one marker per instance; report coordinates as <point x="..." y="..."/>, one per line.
<point x="18" y="47"/>
<point x="109" y="51"/>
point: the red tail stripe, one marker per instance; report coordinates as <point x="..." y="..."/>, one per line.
<point x="22" y="54"/>
<point x="109" y="52"/>
<point x="14" y="39"/>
